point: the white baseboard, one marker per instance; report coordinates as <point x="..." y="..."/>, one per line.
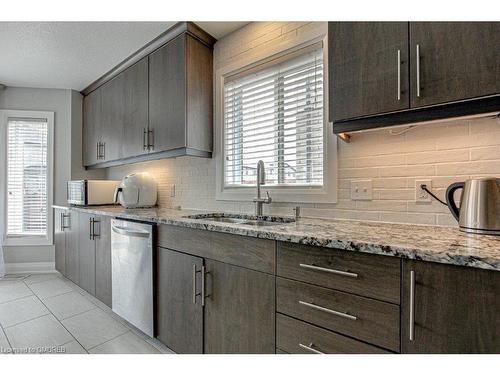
<point x="35" y="267"/>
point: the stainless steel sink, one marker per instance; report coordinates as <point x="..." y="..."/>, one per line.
<point x="256" y="221"/>
<point x="224" y="220"/>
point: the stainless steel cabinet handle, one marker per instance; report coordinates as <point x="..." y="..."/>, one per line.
<point x="399" y="74"/>
<point x="144" y="142"/>
<point x="330" y="270"/>
<point x="333" y="312"/>
<point x="203" y="286"/>
<point x="103" y="156"/>
<point x="196" y="294"/>
<point x="418" y="71"/>
<point x="151" y="140"/>
<point x="61" y="221"/>
<point x="310" y="348"/>
<point x="412" y="305"/>
<point x="94" y="235"/>
<point x="90" y="228"/>
<point x="97" y="150"/>
<point x="194" y="283"/>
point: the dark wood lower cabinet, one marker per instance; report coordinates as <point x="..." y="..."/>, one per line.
<point x="60" y="240"/>
<point x="103" y="260"/>
<point x="71" y="253"/>
<point x="86" y="253"/>
<point x="455" y="309"/>
<point x="179" y="311"/>
<point x="83" y="251"/>
<point x="365" y="319"/>
<point x="239" y="310"/>
<point x="296" y="337"/>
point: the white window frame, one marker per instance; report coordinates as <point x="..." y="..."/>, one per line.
<point x="327" y="193"/>
<point x="26" y="240"/>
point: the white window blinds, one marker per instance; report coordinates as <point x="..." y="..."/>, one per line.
<point x="27" y="177"/>
<point x="275" y="114"/>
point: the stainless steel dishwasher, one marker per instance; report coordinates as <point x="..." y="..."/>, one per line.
<point x="132" y="273"/>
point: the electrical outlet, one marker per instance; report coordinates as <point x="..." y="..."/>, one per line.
<point x="421" y="195"/>
<point x="172" y="191"/>
<point x="361" y="190"/>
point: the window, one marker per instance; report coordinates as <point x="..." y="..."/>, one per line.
<point x="274" y="108"/>
<point x="275" y="114"/>
<point x="28" y="179"/>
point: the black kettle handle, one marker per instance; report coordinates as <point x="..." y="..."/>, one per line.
<point x="449" y="198"/>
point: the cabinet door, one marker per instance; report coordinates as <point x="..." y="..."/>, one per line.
<point x="239" y="310"/>
<point x="179" y="311"/>
<point x="60" y="240"/>
<point x="457" y="60"/>
<point x="71" y="256"/>
<point x="112" y="118"/>
<point x="86" y="253"/>
<point x="455" y="309"/>
<point x="167" y="95"/>
<point x="135" y="108"/>
<point x="91" y="133"/>
<point x="368" y="68"/>
<point x="103" y="260"/>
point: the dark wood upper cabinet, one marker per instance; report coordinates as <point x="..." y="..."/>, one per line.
<point x="92" y="125"/>
<point x="102" y="230"/>
<point x="368" y="68"/>
<point x="134" y="110"/>
<point x="179" y="311"/>
<point x="156" y="104"/>
<point x="167" y="91"/>
<point x="180" y="96"/>
<point x="448" y="69"/>
<point x="455" y="61"/>
<point x="239" y="310"/>
<point x="112" y="115"/>
<point x="455" y="309"/>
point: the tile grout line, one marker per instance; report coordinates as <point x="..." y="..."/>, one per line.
<point x="29" y="320"/>
<point x="17" y="299"/>
<point x="72" y="316"/>
<point x="6" y="337"/>
<point x="86" y="295"/>
<point x="121" y="334"/>
<point x="58" y="320"/>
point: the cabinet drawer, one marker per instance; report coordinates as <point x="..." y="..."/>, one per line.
<point x="374" y="276"/>
<point x="363" y="318"/>
<point x="253" y="253"/>
<point x="293" y="335"/>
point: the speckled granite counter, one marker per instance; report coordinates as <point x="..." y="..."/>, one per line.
<point x="430" y="243"/>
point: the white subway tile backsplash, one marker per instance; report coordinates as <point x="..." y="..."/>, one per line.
<point x="392" y="158"/>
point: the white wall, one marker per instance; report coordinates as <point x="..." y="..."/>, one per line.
<point x="67" y="108"/>
<point x="444" y="153"/>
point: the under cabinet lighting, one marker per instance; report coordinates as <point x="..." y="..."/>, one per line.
<point x="346" y="137"/>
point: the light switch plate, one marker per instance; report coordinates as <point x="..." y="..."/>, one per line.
<point x="361" y="190"/>
<point x="422" y="196"/>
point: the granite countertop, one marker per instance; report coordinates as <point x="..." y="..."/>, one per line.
<point x="421" y="242"/>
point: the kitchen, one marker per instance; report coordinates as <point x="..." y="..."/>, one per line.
<point x="257" y="187"/>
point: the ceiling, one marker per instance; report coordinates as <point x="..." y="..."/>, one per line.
<point x="71" y="55"/>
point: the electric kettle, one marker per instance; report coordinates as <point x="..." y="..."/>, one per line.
<point x="137" y="190"/>
<point x="479" y="210"/>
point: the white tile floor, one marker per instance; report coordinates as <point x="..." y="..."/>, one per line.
<point x="48" y="313"/>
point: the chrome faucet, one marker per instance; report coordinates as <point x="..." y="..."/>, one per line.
<point x="261" y="180"/>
